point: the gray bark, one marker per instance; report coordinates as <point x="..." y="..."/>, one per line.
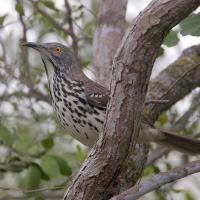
<point x="159" y="180"/>
<point x="109" y="31"/>
<point x="176" y="81"/>
<point x="131" y="67"/>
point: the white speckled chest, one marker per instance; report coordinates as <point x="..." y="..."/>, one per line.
<point x="81" y="120"/>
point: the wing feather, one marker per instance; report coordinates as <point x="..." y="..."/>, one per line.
<point x="96" y="94"/>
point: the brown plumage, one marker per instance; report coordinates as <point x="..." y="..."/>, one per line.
<point x="80" y="103"/>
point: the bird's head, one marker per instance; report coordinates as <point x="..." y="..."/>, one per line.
<point x="55" y="56"/>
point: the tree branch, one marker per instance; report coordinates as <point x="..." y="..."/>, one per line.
<point x="132" y="66"/>
<point x="50" y="18"/>
<point x="38" y="96"/>
<point x="109" y="31"/>
<point x="159" y="180"/>
<point x="189" y="61"/>
<point x="178" y="126"/>
<point x="24" y="73"/>
<point x="110" y="28"/>
<point x="71" y="28"/>
<point x="175" y="82"/>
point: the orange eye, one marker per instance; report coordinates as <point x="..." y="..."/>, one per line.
<point x="58" y="50"/>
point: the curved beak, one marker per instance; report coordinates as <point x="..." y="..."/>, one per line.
<point x="32" y="45"/>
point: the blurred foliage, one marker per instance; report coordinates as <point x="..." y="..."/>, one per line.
<point x="38" y="157"/>
<point x="33" y="145"/>
<point x="172" y="39"/>
<point x="190" y="25"/>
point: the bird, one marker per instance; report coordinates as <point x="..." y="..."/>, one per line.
<point x="80" y="103"/>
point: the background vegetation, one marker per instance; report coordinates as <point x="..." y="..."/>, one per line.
<point x="37" y="156"/>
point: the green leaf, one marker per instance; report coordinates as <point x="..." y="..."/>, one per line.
<point x="32" y="178"/>
<point x="44" y="176"/>
<point x="168" y="166"/>
<point x="46" y="87"/>
<point x="171" y="39"/>
<point x="161" y="52"/>
<point x="63" y="165"/>
<point x="151" y="170"/>
<point x="176" y="190"/>
<point x="81" y="155"/>
<point x="50" y="5"/>
<point x="160" y="195"/>
<point x="188" y="196"/>
<point x="6" y="136"/>
<point x="19" y="8"/>
<point x="2" y="18"/>
<point x="89" y="29"/>
<point x="163" y="119"/>
<point x="85" y="62"/>
<point x="191" y="25"/>
<point x="15" y="164"/>
<point x="77" y="8"/>
<point x="39" y="198"/>
<point x="48" y="143"/>
<point x="24" y="138"/>
<point x="50" y="166"/>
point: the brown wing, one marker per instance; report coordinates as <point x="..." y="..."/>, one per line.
<point x="96" y="94"/>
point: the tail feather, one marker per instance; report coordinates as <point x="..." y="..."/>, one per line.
<point x="180" y="143"/>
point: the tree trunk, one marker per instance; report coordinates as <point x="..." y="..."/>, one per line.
<point x="131" y="71"/>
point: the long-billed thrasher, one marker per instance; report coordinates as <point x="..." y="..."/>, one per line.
<point x="80" y="103"/>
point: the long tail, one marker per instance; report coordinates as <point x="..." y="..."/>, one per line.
<point x="173" y="140"/>
<point x="180" y="143"/>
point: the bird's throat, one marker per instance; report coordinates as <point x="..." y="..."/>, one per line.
<point x="49" y="72"/>
<point x="48" y="68"/>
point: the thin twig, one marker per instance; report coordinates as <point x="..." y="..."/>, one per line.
<point x="71" y="29"/>
<point x="179" y="79"/>
<point x="24" y="53"/>
<point x="159" y="180"/>
<point x="23" y="197"/>
<point x="175" y="83"/>
<point x="8" y="24"/>
<point x="87" y="9"/>
<point x="85" y="37"/>
<point x="178" y="126"/>
<point x="156" y="101"/>
<point x="51" y="19"/>
<point x="33" y="190"/>
<point x="32" y="92"/>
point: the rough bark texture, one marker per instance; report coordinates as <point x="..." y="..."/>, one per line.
<point x="159" y="180"/>
<point x="175" y="81"/>
<point x="108" y="34"/>
<point x="131" y="67"/>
